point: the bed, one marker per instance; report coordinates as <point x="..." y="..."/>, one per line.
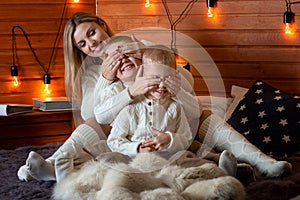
<point x="11" y="188"/>
<point x="278" y="188"/>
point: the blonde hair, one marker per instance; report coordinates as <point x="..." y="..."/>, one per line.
<point x="159" y="54"/>
<point x="74" y="57"/>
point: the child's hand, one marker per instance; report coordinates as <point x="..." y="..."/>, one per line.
<point x="111" y="63"/>
<point x="142" y="149"/>
<point x="173" y="83"/>
<point x="134" y="49"/>
<point x="142" y="84"/>
<point x="159" y="142"/>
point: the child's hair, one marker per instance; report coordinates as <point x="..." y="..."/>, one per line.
<point x="159" y="54"/>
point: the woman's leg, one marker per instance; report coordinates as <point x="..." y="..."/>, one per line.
<point x="215" y="132"/>
<point x="83" y="137"/>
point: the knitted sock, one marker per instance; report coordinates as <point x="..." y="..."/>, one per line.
<point x="83" y="137"/>
<point x="23" y="174"/>
<point x="36" y="168"/>
<point x="63" y="166"/>
<point x="222" y="136"/>
<point x="228" y="163"/>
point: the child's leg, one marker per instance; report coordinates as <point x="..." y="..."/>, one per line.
<point x="215" y="132"/>
<point x="225" y="160"/>
<point x="82" y="137"/>
<point x="205" y="152"/>
<point x="64" y="164"/>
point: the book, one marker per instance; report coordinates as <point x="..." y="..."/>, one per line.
<point x="52" y="103"/>
<point x="12" y="109"/>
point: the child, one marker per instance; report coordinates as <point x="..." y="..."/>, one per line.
<point x="154" y="121"/>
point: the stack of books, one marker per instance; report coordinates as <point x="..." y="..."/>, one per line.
<point x="52" y="103"/>
<point x="12" y="109"/>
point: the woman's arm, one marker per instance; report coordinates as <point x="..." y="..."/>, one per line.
<point x="88" y="80"/>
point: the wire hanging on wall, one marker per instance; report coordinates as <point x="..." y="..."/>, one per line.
<point x="173" y="24"/>
<point x="14" y="69"/>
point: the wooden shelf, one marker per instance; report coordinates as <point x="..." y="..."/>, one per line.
<point x="35" y="128"/>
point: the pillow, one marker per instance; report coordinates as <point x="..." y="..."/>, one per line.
<point x="237" y="93"/>
<point x="218" y="105"/>
<point x="269" y="118"/>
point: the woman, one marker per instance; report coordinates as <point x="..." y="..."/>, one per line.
<point x="84" y="37"/>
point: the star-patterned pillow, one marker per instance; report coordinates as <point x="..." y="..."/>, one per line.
<point x="269" y="118"/>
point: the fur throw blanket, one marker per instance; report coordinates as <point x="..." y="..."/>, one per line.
<point x="147" y="176"/>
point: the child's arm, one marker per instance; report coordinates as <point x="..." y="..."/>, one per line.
<point x="112" y="99"/>
<point x="182" y="137"/>
<point x="192" y="107"/>
<point x="109" y="102"/>
<point x="121" y="138"/>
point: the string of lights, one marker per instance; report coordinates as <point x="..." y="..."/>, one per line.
<point x="14" y="68"/>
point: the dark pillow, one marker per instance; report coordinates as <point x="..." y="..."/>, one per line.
<point x="269" y="118"/>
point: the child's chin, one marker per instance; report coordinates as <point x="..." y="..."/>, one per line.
<point x="159" y="97"/>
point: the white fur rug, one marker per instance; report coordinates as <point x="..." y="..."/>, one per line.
<point x="147" y="177"/>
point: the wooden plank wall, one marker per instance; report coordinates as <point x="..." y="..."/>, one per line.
<point x="246" y="41"/>
<point x="40" y="20"/>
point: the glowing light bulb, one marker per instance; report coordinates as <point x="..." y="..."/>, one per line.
<point x="211" y="8"/>
<point x="15" y="81"/>
<point x="289" y="21"/>
<point x="289" y="29"/>
<point x="47" y="89"/>
<point x="14" y="75"/>
<point x="47" y="83"/>
<point x="147" y="4"/>
<point x="76" y="1"/>
<point x="210" y="12"/>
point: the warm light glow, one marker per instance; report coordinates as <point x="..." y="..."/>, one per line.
<point x="76" y="1"/>
<point x="15" y="81"/>
<point x="47" y="90"/>
<point x="289" y="29"/>
<point x="48" y="98"/>
<point x="211" y="12"/>
<point x="147" y="4"/>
